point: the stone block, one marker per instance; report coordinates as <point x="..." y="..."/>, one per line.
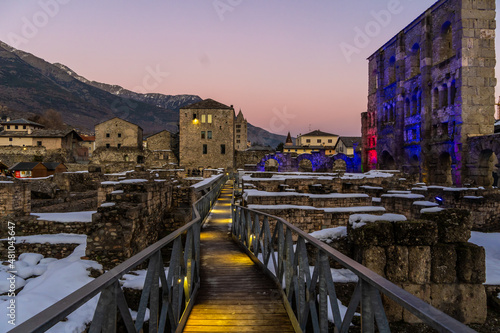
<point x="374" y="258"/>
<point x="396" y="269"/>
<point x="422" y="291"/>
<point x="373" y="234"/>
<point x="393" y="311"/>
<point x="443" y="263"/>
<point x="413" y="233"/>
<point x="419" y="264"/>
<point x="454" y="225"/>
<point x="471" y="266"/>
<point x="464" y="302"/>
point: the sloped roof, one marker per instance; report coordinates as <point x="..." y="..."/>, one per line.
<point x="207" y="104"/>
<point x="24" y="166"/>
<point x="151" y="135"/>
<point x="318" y="133"/>
<point x="240" y="117"/>
<point x="52" y="165"/>
<point x="102" y="122"/>
<point x="87" y="137"/>
<point x="22" y="121"/>
<point x="41" y="133"/>
<point x="350" y="140"/>
<point x="289" y="139"/>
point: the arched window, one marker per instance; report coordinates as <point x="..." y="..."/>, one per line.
<point x="413" y="104"/>
<point x="444" y="96"/>
<point x="392" y="70"/>
<point x="435" y="98"/>
<point x="446" y="45"/>
<point x="453" y="92"/>
<point x="415" y="60"/>
<point x="407" y="107"/>
<point x="416" y="101"/>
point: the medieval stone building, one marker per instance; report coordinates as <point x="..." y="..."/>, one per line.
<point x="207" y="135"/>
<point x="431" y="89"/>
<point x="117" y="140"/>
<point x="160" y="148"/>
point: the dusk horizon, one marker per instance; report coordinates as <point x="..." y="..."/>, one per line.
<point x="294" y="68"/>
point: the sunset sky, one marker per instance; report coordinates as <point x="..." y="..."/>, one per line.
<point x="280" y="61"/>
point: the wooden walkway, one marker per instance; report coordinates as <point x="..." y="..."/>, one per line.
<point x="235" y="295"/>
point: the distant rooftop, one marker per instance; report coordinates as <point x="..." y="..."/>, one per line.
<point x="22" y="121"/>
<point x="207" y="104"/>
<point x="349" y="141"/>
<point x="318" y="133"/>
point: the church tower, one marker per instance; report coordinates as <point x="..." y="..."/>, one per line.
<point x="240" y="137"/>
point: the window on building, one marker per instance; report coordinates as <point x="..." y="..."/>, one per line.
<point x="8" y="126"/>
<point x="107" y="135"/>
<point x="119" y="135"/>
<point x="107" y="145"/>
<point x="414" y="134"/>
<point x="444" y="129"/>
<point x="222" y="149"/>
<point x="414" y="105"/>
<point x="203" y="118"/>
<point x="24" y="126"/>
<point x="308" y="140"/>
<point x="119" y="145"/>
<point x="435" y="98"/>
<point x="318" y="140"/>
<point x="209" y="118"/>
<point x="444" y="96"/>
<point x="330" y="141"/>
<point x="238" y="131"/>
<point x="453" y="92"/>
<point x="39" y="143"/>
<point x="238" y="126"/>
<point x="415" y="60"/>
<point x="194" y="116"/>
<point x="16" y="127"/>
<point x="392" y="70"/>
<point x="209" y="134"/>
<point x="10" y="139"/>
<point x="237" y="141"/>
<point x="203" y="134"/>
<point x="205" y="149"/>
<point x="446" y="46"/>
<point x="237" y="136"/>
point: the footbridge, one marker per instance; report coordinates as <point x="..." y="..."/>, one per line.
<point x="233" y="269"/>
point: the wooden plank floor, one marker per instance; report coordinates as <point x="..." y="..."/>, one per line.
<point x="235" y="295"/>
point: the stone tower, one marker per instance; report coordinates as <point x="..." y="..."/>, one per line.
<point x="240" y="132"/>
<point x="206" y="135"/>
<point x="431" y="88"/>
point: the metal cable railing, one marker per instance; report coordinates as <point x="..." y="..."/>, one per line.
<point x="285" y="257"/>
<point x="169" y="304"/>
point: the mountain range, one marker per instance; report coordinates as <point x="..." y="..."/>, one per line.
<point x="30" y="85"/>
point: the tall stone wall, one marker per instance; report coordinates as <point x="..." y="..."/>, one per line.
<point x="431" y="87"/>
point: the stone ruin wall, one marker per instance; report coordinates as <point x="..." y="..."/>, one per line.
<point x="429" y="258"/>
<point x="15" y="198"/>
<point x="133" y="222"/>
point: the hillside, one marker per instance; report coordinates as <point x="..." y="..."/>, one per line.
<point x="30" y="85"/>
